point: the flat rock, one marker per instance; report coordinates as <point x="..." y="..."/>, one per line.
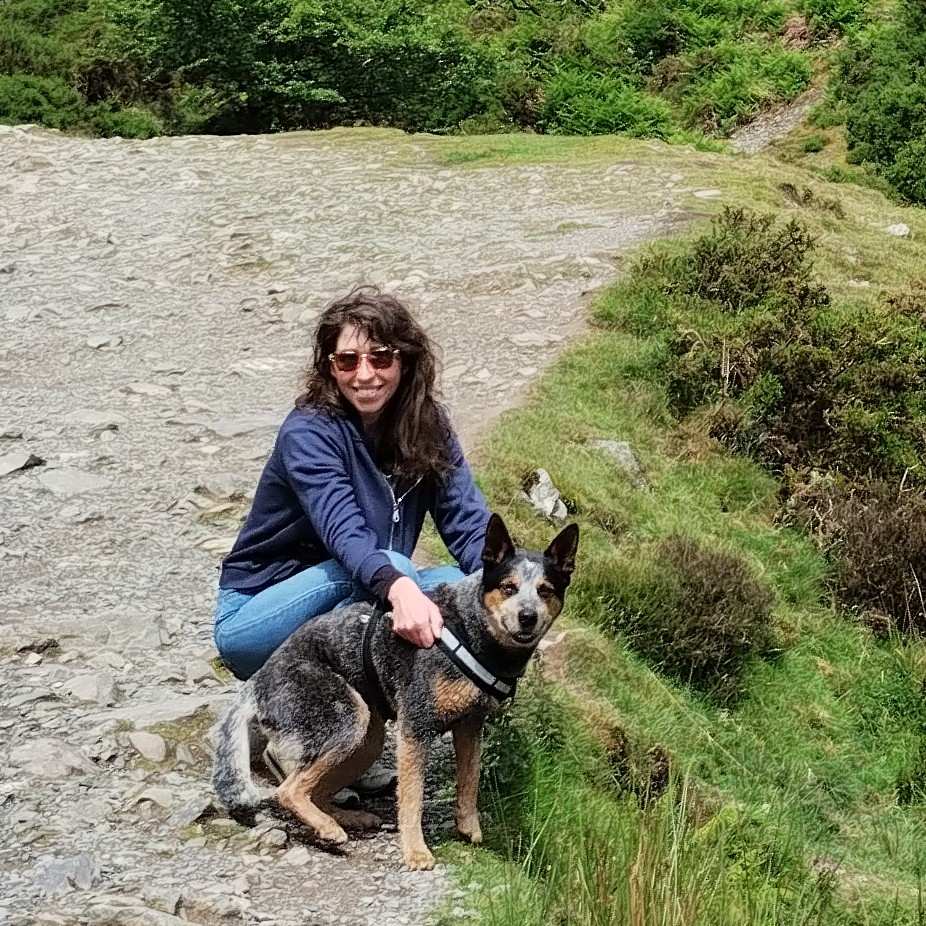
<point x="11" y="462"/>
<point x="230" y="427"/>
<point x="167" y="710"/>
<point x="900" y="230"/>
<point x="99" y="687"/>
<point x="66" y="481"/>
<point x="623" y="456"/>
<point x="149" y="745"/>
<point x="150" y="390"/>
<point x="55" y="876"/>
<point x="50" y="757"/>
<point x="103" y="341"/>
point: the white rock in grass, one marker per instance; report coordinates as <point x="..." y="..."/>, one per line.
<point x="899" y="230"/>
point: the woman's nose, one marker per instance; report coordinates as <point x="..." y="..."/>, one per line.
<point x="365" y="369"/>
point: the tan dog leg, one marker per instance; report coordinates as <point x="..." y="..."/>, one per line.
<point x="348" y="772"/>
<point x="295" y="794"/>
<point x="307" y="790"/>
<point x="412" y="756"/>
<point x="466" y="744"/>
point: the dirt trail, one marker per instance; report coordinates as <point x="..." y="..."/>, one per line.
<point x="156" y="303"/>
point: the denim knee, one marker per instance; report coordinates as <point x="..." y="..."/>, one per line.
<point x="401" y="562"/>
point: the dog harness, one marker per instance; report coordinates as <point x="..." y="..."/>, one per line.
<point x="495" y="685"/>
<point x="490" y="683"/>
<point x="369" y="670"/>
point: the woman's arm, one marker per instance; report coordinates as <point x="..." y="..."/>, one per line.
<point x="316" y="469"/>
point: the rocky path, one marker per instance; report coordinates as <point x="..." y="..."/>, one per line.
<point x="156" y="303"/>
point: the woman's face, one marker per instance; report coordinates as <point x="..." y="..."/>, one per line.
<point x="366" y="388"/>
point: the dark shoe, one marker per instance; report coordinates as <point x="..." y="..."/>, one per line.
<point x="377" y="779"/>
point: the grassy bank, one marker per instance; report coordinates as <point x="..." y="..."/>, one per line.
<point x="623" y="790"/>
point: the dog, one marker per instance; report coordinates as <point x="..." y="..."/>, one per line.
<point x="322" y="698"/>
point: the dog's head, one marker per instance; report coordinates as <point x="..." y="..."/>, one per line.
<point x="523" y="591"/>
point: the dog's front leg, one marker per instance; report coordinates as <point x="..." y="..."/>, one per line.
<point x="466" y="744"/>
<point x="412" y="753"/>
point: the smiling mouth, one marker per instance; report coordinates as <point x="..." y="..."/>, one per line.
<point x="523" y="636"/>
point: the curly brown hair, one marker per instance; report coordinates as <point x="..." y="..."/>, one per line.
<point x="414" y="439"/>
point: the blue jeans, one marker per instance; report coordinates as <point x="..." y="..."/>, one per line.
<point x="248" y="628"/>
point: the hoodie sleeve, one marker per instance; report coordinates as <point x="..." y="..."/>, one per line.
<point x="460" y="512"/>
<point x="316" y="466"/>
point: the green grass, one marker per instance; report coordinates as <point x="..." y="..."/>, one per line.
<point x="782" y="807"/>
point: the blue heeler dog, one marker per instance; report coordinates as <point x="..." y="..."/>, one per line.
<point x="322" y="698"/>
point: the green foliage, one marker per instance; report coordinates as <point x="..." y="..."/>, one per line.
<point x="563" y="66"/>
<point x="581" y="103"/>
<point x="130" y="122"/>
<point x="278" y="64"/>
<point x="833" y="15"/>
<point x="696" y="612"/>
<point x="724" y="85"/>
<point x="881" y="80"/>
<point x="813" y="143"/>
<point x="791" y="380"/>
<point x="744" y="260"/>
<point x="45" y="100"/>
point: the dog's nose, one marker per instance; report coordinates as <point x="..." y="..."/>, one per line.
<point x="527" y="618"/>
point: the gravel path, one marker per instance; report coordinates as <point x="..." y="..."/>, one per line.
<point x="156" y="304"/>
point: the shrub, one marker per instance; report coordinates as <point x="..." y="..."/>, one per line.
<point x="807" y="197"/>
<point x="876" y="535"/>
<point x="742" y="261"/>
<point x="698" y="614"/>
<point x="45" y="100"/>
<point x="813" y="143"/>
<point x="727" y="84"/>
<point x="794" y="381"/>
<point x="583" y="103"/>
<point x="833" y="15"/>
<point x="132" y="122"/>
<point x="881" y="82"/>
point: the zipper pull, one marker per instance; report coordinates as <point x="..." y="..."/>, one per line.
<point x="395" y="515"/>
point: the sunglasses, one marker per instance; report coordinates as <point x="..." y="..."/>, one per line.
<point x="346" y="361"/>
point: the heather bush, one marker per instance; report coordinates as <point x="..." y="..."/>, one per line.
<point x="790" y="379"/>
<point x="696" y="613"/>
<point x="744" y="259"/>
<point x="875" y="533"/>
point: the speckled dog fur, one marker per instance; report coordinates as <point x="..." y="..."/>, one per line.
<point x="312" y="702"/>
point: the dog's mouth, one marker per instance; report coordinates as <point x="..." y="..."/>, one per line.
<point x="524" y="636"/>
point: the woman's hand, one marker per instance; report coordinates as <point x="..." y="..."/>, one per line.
<point x="414" y="616"/>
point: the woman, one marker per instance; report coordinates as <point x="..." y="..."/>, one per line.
<point x="365" y="454"/>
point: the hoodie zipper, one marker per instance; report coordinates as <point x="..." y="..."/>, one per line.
<point x="395" y="505"/>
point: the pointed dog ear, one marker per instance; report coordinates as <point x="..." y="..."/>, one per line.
<point x="498" y="544"/>
<point x="562" y="549"/>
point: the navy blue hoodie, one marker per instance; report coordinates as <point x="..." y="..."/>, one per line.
<point x="321" y="496"/>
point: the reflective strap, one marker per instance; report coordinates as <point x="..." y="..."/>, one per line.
<point x="465" y="659"/>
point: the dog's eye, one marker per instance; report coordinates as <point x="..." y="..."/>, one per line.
<point x="509" y="588"/>
<point x="545" y="592"/>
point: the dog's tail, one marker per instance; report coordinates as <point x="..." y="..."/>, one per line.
<point x="231" y="773"/>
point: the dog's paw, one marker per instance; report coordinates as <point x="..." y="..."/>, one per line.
<point x="418" y="859"/>
<point x="333" y="834"/>
<point x="469" y="828"/>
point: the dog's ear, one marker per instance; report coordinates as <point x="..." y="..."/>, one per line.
<point x="498" y="544"/>
<point x="562" y="550"/>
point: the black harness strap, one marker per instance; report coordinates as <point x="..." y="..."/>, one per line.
<point x="369" y="670"/>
